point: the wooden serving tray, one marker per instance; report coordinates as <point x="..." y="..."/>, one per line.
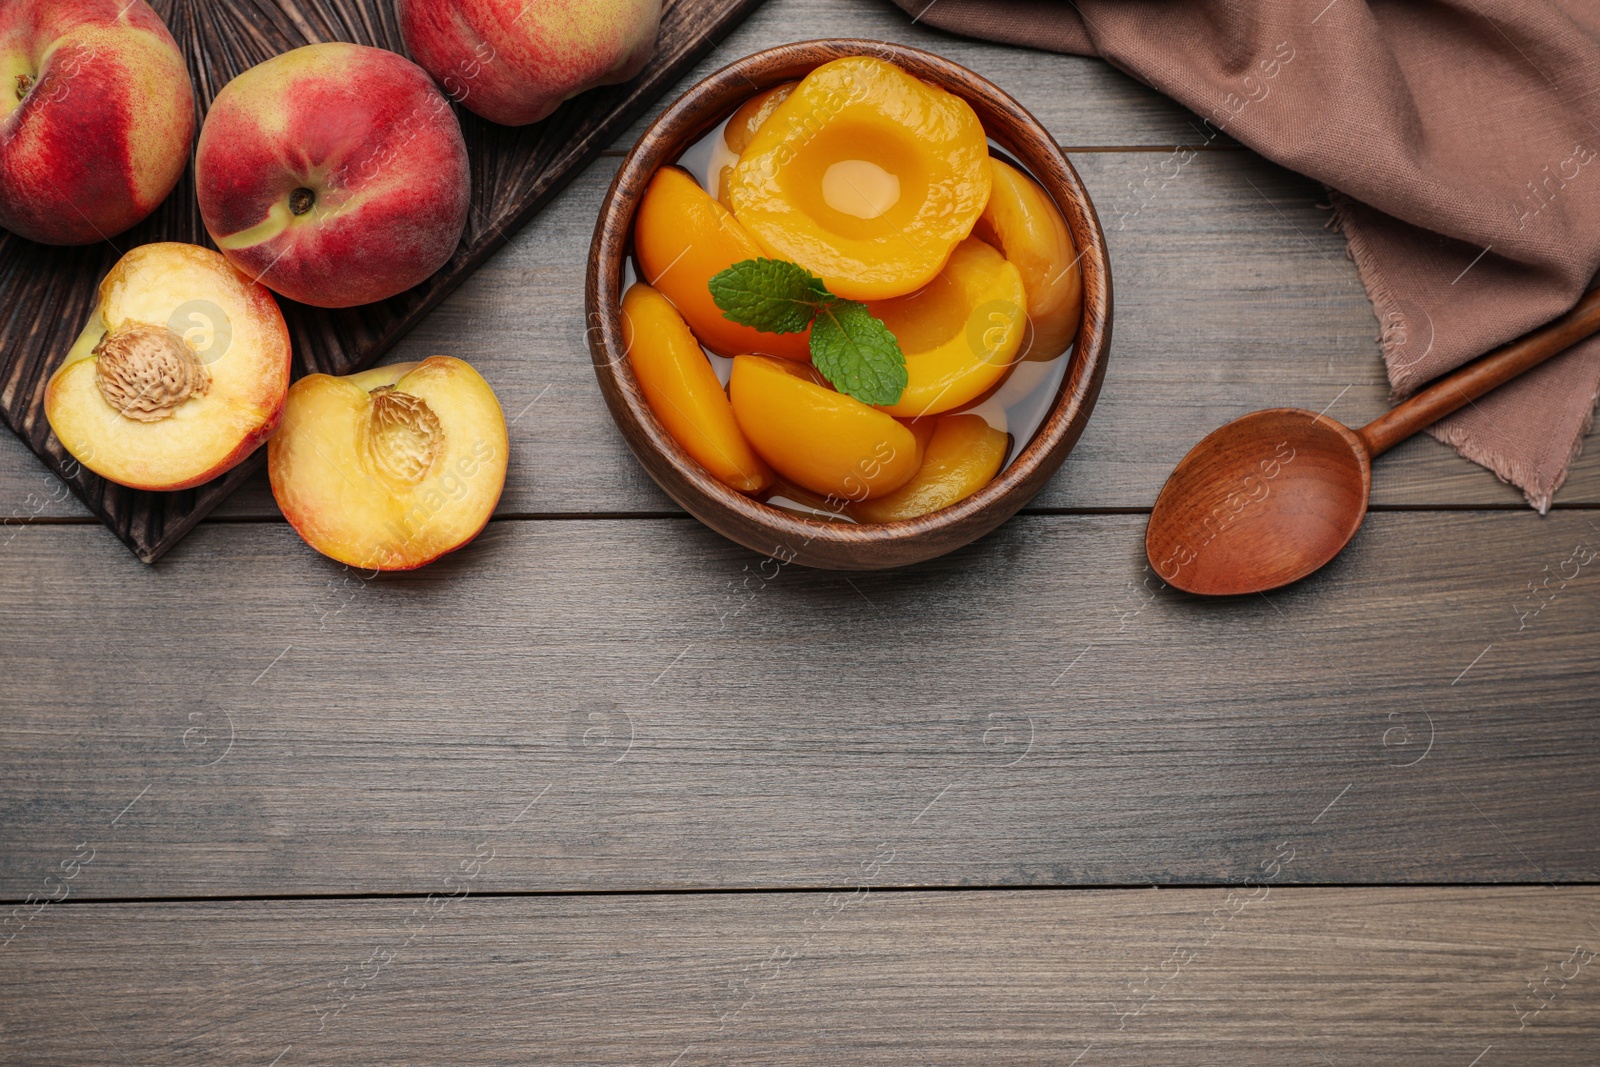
<point x="47" y="293"/>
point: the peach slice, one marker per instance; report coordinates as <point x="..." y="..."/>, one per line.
<point x="180" y="373"/>
<point x="960" y="333"/>
<point x="865" y="176"/>
<point x="684" y="392"/>
<point x="742" y="126"/>
<point x="752" y="114"/>
<point x="1024" y="223"/>
<point x="391" y="468"/>
<point x="683" y="238"/>
<point x="963" y="455"/>
<point x="821" y="440"/>
<point x="784" y="493"/>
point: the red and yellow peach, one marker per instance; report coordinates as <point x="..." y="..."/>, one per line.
<point x="180" y="373"/>
<point x="335" y="174"/>
<point x="96" y="117"/>
<point x="393" y="467"/>
<point x="514" y="62"/>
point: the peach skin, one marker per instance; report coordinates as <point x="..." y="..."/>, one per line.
<point x="96" y="117"/>
<point x="334" y="174"/>
<point x="515" y="61"/>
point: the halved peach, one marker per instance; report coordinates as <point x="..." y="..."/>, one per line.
<point x="963" y="455"/>
<point x="959" y="333"/>
<point x="179" y="375"/>
<point x="821" y="440"/>
<point x="865" y="176"/>
<point x="1024" y="223"/>
<point x="684" y="392"/>
<point x="393" y="467"/>
<point x="683" y="238"/>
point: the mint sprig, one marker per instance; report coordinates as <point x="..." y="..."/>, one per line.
<point x="850" y="346"/>
<point x="770" y="295"/>
<point x="856" y="352"/>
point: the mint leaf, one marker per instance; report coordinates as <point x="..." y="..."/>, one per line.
<point x="770" y="295"/>
<point x="856" y="352"/>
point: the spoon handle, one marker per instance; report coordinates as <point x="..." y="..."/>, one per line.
<point x="1467" y="384"/>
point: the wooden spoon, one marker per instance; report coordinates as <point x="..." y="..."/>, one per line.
<point x="1272" y="496"/>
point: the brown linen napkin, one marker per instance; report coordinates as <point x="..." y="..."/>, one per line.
<point x="1461" y="139"/>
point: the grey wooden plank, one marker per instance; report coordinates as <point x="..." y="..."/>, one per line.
<point x="1230" y="296"/>
<point x="30" y="491"/>
<point x="245" y="718"/>
<point x="1426" y="976"/>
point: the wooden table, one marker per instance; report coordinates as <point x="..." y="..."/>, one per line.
<point x="605" y="789"/>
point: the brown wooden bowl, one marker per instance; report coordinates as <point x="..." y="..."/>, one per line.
<point x="781" y="534"/>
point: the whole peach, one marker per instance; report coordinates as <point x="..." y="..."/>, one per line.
<point x="335" y="174"/>
<point x="96" y="117"/>
<point x="515" y="61"/>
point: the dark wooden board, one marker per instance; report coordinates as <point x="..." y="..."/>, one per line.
<point x="48" y="293"/>
<point x="783" y="729"/>
<point x="1427" y="977"/>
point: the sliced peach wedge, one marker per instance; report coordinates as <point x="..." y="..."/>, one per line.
<point x="1024" y="223"/>
<point x="391" y="468"/>
<point x="960" y="333"/>
<point x="963" y="455"/>
<point x="821" y="440"/>
<point x="683" y="238"/>
<point x="684" y="392"/>
<point x="179" y="375"/>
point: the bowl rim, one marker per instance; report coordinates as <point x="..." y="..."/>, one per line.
<point x="706" y="103"/>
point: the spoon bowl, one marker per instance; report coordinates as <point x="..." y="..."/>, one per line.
<point x="1274" y="495"/>
<point x="1260" y="503"/>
